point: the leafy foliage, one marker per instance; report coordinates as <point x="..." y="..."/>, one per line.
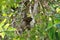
<point x="47" y="25"/>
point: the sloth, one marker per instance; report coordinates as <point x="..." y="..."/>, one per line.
<point x="25" y="24"/>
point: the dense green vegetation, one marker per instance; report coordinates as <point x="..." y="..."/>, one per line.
<point x="47" y="26"/>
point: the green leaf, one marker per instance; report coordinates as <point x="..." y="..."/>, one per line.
<point x="2" y="34"/>
<point x="4" y="14"/>
<point x="2" y="23"/>
<point x="58" y="10"/>
<point x="59" y="34"/>
<point x="11" y="29"/>
<point x="51" y="33"/>
<point x="10" y="14"/>
<point x="6" y="26"/>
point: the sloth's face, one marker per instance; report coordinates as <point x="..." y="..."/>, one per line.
<point x="27" y="19"/>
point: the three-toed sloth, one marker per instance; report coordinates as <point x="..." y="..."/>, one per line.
<point x="25" y="24"/>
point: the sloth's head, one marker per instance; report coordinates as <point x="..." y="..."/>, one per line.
<point x="27" y="20"/>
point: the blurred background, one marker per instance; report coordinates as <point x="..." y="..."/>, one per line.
<point x="29" y="19"/>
